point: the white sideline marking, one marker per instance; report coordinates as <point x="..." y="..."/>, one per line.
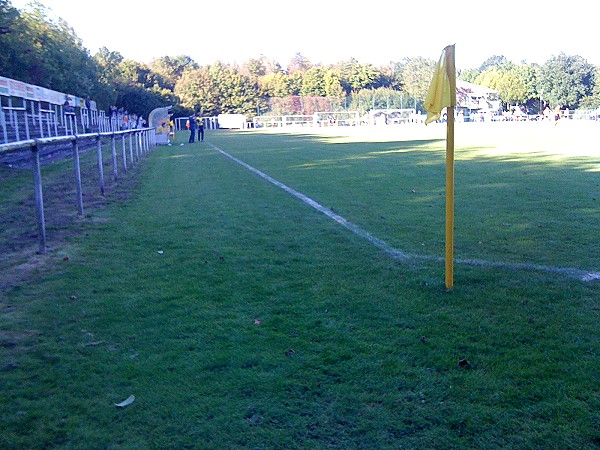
<point x="580" y="274"/>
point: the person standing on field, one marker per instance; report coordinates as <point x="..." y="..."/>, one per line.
<point x="193" y="125"/>
<point x="200" y="129"/>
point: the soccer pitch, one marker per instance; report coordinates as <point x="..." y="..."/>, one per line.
<point x="514" y="203"/>
<point x="269" y="289"/>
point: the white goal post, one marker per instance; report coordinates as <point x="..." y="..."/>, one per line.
<point x="318" y="119"/>
<point x="337" y="118"/>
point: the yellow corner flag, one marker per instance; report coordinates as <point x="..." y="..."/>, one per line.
<point x="442" y="94"/>
<point x="442" y="91"/>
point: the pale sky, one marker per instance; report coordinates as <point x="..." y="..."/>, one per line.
<point x="330" y="31"/>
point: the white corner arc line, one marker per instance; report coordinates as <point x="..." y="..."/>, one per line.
<point x="580" y="274"/>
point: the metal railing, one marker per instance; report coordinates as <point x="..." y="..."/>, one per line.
<point x="140" y="142"/>
<point x="33" y="120"/>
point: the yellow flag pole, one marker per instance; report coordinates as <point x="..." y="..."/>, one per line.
<point x="450" y="67"/>
<point x="450" y="200"/>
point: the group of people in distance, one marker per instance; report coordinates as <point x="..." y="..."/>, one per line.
<point x="196" y="123"/>
<point x="125" y="119"/>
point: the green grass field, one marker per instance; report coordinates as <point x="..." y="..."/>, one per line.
<point x="240" y="317"/>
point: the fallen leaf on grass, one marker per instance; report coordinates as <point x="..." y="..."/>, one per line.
<point x="464" y="363"/>
<point x="126" y="402"/>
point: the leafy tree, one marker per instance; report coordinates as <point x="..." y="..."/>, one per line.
<point x="8" y="15"/>
<point x="271" y="66"/>
<point x="391" y="76"/>
<point x="218" y="89"/>
<point x="239" y="94"/>
<point x="136" y="73"/>
<point x="108" y="75"/>
<point x="332" y="85"/>
<point x="131" y="84"/>
<point x="530" y="76"/>
<point x="491" y="77"/>
<point x="109" y="62"/>
<point x="255" y="68"/>
<point x="417" y="74"/>
<point x="321" y="82"/>
<point x="469" y="75"/>
<point x="46" y="52"/>
<point x="295" y="81"/>
<point x="171" y="68"/>
<point x="275" y="85"/>
<point x="14" y="49"/>
<point x="195" y="91"/>
<point x="592" y="101"/>
<point x="565" y="80"/>
<point x="57" y="58"/>
<point x="515" y="84"/>
<point x="137" y="99"/>
<point x="355" y="76"/>
<point x="298" y="63"/>
<point x="313" y="82"/>
<point x="512" y="88"/>
<point x="493" y="61"/>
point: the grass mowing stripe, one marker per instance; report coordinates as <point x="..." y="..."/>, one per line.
<point x="580" y="274"/>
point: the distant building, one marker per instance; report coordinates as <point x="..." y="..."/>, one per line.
<point x="475" y="101"/>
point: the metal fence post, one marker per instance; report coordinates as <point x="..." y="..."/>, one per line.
<point x="131" y="154"/>
<point x="78" y="176"/>
<point x="114" y="157"/>
<point x="124" y="153"/>
<point x="3" y="124"/>
<point x="27" y="133"/>
<point x="100" y="163"/>
<point x="39" y="116"/>
<point x="14" y="119"/>
<point x="39" y="197"/>
<point x="137" y="148"/>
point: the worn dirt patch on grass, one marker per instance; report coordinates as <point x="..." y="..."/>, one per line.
<point x="20" y="259"/>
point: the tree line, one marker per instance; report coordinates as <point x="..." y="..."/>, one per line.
<point x="47" y="52"/>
